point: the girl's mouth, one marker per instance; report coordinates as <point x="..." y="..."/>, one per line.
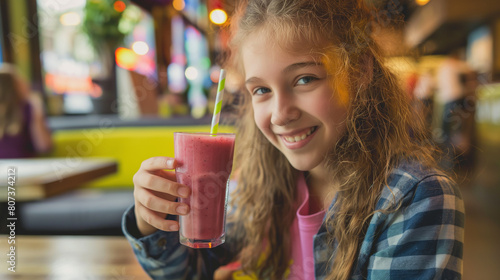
<point x="299" y="140"/>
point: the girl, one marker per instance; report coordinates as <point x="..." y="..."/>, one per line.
<point x="23" y="128"/>
<point x="330" y="184"/>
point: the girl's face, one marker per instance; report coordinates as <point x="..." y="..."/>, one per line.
<point x="294" y="105"/>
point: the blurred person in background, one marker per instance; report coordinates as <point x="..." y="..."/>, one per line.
<point x="423" y="97"/>
<point x="457" y="85"/>
<point x="23" y="127"/>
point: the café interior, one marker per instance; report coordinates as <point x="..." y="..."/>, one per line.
<point x="116" y="78"/>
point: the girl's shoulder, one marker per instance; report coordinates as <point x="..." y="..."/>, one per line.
<point x="410" y="181"/>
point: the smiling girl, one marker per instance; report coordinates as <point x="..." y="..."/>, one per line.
<point x="330" y="183"/>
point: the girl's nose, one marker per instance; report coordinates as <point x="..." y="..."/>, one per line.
<point x="285" y="110"/>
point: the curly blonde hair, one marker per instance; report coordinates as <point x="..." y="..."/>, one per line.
<point x="381" y="130"/>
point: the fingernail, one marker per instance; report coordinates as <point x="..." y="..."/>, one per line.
<point x="174" y="227"/>
<point x="182" y="209"/>
<point x="184" y="192"/>
<point x="170" y="163"/>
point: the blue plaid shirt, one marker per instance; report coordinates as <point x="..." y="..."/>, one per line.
<point x="423" y="239"/>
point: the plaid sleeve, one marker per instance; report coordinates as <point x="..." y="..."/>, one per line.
<point x="423" y="239"/>
<point x="163" y="257"/>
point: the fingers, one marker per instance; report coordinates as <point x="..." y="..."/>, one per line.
<point x="170" y="175"/>
<point x="153" y="202"/>
<point x="158" y="163"/>
<point x="155" y="193"/>
<point x="154" y="219"/>
<point x="160" y="184"/>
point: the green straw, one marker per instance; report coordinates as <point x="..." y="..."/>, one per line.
<point x="218" y="102"/>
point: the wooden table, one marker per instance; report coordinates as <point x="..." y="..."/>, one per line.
<point x="40" y="178"/>
<point x="71" y="257"/>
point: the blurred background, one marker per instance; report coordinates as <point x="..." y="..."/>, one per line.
<point x="116" y="78"/>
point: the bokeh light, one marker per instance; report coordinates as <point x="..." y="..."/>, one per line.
<point x="421" y="2"/>
<point x="178" y="5"/>
<point x="218" y="16"/>
<point x="126" y="58"/>
<point x="191" y="73"/>
<point x="140" y="47"/>
<point x="70" y="19"/>
<point x="119" y="6"/>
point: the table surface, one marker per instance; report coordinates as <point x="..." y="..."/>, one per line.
<point x="70" y="257"/>
<point x="40" y="178"/>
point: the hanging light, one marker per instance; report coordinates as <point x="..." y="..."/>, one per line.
<point x="421" y="2"/>
<point x="218" y="16"/>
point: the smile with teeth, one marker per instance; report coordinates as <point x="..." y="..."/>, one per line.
<point x="297" y="138"/>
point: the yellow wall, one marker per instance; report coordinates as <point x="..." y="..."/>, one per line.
<point x="128" y="145"/>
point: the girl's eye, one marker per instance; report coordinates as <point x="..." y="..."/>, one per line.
<point x="306" y="80"/>
<point x="260" y="91"/>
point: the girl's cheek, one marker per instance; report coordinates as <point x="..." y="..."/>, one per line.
<point x="262" y="120"/>
<point x="259" y="122"/>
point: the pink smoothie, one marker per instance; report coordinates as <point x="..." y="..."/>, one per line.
<point x="204" y="165"/>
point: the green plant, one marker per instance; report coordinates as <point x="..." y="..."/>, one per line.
<point x="106" y="23"/>
<point x="103" y="23"/>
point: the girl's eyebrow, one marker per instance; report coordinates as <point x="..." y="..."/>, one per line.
<point x="288" y="69"/>
<point x="299" y="65"/>
<point x="252" y="80"/>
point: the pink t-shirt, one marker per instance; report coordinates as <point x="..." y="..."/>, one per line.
<point x="304" y="227"/>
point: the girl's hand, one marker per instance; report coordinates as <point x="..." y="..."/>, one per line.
<point x="155" y="194"/>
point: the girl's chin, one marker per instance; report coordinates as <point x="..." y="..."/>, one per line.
<point x="298" y="162"/>
<point x="301" y="164"/>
